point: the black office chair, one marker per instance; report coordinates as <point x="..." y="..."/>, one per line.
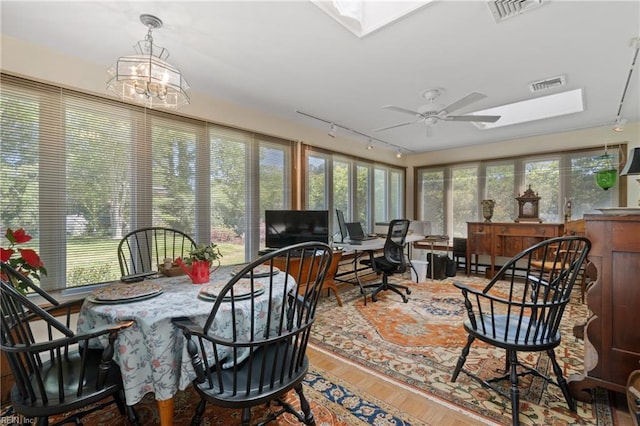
<point x="524" y="316"/>
<point x="393" y="260"/>
<point x="56" y="373"/>
<point x="142" y="250"/>
<point x="277" y="360"/>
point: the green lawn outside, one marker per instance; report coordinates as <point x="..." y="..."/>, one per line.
<point x="92" y="260"/>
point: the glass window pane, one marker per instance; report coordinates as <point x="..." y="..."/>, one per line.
<point x="380" y="197"/>
<point x="396" y="195"/>
<point x="316" y="183"/>
<point x="431" y="199"/>
<point x="584" y="193"/>
<point x="340" y="192"/>
<point x="500" y="184"/>
<point x="98" y="206"/>
<point x="464" y="190"/>
<point x="173" y="169"/>
<point x="362" y="213"/>
<point x="229" y="196"/>
<point x="543" y="176"/>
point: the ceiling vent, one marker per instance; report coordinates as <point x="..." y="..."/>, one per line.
<point x="548" y="83"/>
<point x="505" y="9"/>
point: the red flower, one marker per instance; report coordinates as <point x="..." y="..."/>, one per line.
<point x="31" y="257"/>
<point x="18" y="237"/>
<point x="27" y="262"/>
<point x="5" y="254"/>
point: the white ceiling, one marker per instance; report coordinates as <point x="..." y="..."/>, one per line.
<point x="286" y="56"/>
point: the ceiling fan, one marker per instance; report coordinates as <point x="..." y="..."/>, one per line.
<point x="431" y="113"/>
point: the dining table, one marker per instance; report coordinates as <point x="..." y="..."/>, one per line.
<point x="152" y="353"/>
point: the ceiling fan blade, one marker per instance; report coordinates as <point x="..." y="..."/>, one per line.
<point x="397" y="125"/>
<point x="403" y="110"/>
<point x="476" y="118"/>
<point x="461" y="103"/>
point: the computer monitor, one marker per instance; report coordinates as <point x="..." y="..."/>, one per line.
<point x="342" y="225"/>
<point x="287" y="227"/>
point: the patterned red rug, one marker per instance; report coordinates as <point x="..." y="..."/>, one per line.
<point x="418" y="343"/>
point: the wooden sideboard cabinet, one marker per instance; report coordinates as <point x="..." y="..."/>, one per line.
<point x="505" y="239"/>
<point x="612" y="332"/>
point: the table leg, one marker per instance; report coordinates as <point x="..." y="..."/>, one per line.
<point x="165" y="407"/>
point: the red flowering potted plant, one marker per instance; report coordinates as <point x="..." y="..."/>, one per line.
<point x="26" y="261"/>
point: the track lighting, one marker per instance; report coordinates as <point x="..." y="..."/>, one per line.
<point x="619" y="125"/>
<point x="334" y="127"/>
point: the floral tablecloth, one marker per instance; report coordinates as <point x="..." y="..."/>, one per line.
<point x="151" y="354"/>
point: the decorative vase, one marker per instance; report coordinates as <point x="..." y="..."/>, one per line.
<point x="487" y="209"/>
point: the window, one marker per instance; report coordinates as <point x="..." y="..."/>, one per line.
<point x="79" y="171"/>
<point x="449" y="196"/>
<point x="365" y="192"/>
<point x="431" y="199"/>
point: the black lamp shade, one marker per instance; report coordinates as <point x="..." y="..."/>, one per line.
<point x="633" y="165"/>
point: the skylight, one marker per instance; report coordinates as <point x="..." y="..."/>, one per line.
<point x="363" y="17"/>
<point x="534" y="109"/>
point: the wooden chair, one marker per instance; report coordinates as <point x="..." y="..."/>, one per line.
<point x="578" y="228"/>
<point x="57" y="373"/>
<point x="276" y="359"/>
<point x="525" y="316"/>
<point x="142" y="250"/>
<point x="393" y="260"/>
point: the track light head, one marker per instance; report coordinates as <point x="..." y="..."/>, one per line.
<point x="332" y="131"/>
<point x="619" y="125"/>
<point x="399" y="153"/>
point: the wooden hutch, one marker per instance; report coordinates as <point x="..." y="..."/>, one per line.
<point x="612" y="332"/>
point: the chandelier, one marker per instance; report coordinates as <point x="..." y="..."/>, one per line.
<point x="146" y="78"/>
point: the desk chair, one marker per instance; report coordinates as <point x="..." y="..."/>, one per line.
<point x="56" y="374"/>
<point x="524" y="315"/>
<point x="393" y="260"/>
<point x="141" y="251"/>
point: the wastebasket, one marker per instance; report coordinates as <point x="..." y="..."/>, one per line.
<point x="419" y="270"/>
<point x="439" y="263"/>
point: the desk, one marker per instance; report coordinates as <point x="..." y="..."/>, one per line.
<point x="367" y="246"/>
<point x="151" y="353"/>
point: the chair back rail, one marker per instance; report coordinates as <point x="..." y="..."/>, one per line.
<point x="143" y="249"/>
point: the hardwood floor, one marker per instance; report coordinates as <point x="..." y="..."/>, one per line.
<point x="410" y="402"/>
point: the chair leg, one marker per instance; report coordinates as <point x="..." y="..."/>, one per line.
<point x="197" y="417"/>
<point x="515" y="392"/>
<point x="306" y="408"/>
<point x="561" y="381"/>
<point x="463" y="358"/>
<point x="246" y="416"/>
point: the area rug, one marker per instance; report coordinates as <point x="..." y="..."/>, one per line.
<point x="332" y="403"/>
<point x="418" y="344"/>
